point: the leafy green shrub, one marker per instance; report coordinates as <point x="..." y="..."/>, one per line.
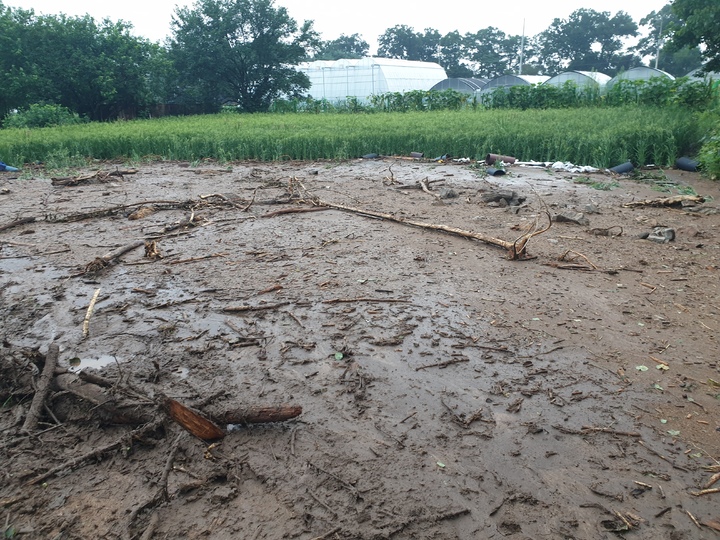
<point x="709" y="156"/>
<point x="42" y="115"/>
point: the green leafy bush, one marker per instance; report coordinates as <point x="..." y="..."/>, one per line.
<point x="709" y="156"/>
<point x="42" y="115"/>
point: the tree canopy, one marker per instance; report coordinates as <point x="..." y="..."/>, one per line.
<point x="239" y="51"/>
<point x="698" y="24"/>
<point x="98" y="70"/>
<point x="588" y="40"/>
<point x="678" y="61"/>
<point x="353" y="46"/>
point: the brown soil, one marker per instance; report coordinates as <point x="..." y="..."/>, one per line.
<point x="447" y="391"/>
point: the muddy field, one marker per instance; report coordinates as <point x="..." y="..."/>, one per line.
<point x="447" y="392"/>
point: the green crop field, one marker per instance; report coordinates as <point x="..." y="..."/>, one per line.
<point x="595" y="136"/>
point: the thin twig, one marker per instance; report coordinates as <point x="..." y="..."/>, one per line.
<point x="91" y="307"/>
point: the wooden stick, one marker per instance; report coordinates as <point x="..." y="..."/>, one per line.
<point x="612" y="431"/>
<point x="705" y="492"/>
<point x="256" y="415"/>
<point x="194" y="259"/>
<point x="444" y="364"/>
<point x="137" y="433"/>
<point x="91" y="307"/>
<point x="294" y="211"/>
<point x="658" y="454"/>
<point x="362" y="299"/>
<point x="241" y="309"/>
<point x="43" y="387"/>
<point x="16" y="223"/>
<point x="516" y="249"/>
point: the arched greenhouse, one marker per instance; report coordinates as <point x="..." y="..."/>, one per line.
<point x="466" y="85"/>
<point x="642" y="73"/>
<point x="338" y="80"/>
<point x="580" y="78"/>
<point x="506" y="81"/>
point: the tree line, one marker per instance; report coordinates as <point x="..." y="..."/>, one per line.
<point x="243" y="52"/>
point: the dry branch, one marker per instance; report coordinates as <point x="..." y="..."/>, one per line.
<point x="31" y="420"/>
<point x="515" y="249"/>
<point x="677" y="200"/>
<point x="16" y="223"/>
<point x="363" y="299"/>
<point x="91" y="307"/>
<point x="71" y="464"/>
<point x="101" y="262"/>
<point x="294" y="211"/>
<point x="241" y="309"/>
<point x="192" y="421"/>
<point x="255" y="415"/>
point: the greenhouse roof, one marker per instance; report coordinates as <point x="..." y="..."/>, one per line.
<point x="513" y="80"/>
<point x="461" y="84"/>
<point x="337" y="80"/>
<point x="580" y="77"/>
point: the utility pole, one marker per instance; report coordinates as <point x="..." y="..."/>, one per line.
<point x="657" y="56"/>
<point x="522" y="49"/>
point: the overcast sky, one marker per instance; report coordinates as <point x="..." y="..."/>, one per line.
<point x="370" y="18"/>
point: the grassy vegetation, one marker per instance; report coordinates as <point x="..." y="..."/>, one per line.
<point x="601" y="137"/>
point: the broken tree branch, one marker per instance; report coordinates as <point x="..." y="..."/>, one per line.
<point x="71" y="464"/>
<point x="254" y="415"/>
<point x="31" y="420"/>
<point x="16" y="223"/>
<point x="101" y="262"/>
<point x="91" y="307"/>
<point x="516" y="249"/>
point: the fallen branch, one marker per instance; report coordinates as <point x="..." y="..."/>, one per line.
<point x="98" y="452"/>
<point x="196" y="424"/>
<point x="16" y="223"/>
<point x="677" y="200"/>
<point x="611" y="431"/>
<point x="255" y="415"/>
<point x="43" y="387"/>
<point x="362" y="299"/>
<point x="658" y="454"/>
<point x="161" y="494"/>
<point x="704" y="492"/>
<point x="91" y="307"/>
<point x="195" y="259"/>
<point x="295" y="211"/>
<point x="242" y="309"/>
<point x="516" y="249"/>
<point x="444" y="364"/>
<point x="426" y="188"/>
<point x="104" y="261"/>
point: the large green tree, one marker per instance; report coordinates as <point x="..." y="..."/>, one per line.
<point x="452" y="55"/>
<point x="353" y="46"/>
<point x="99" y="70"/>
<point x="663" y="55"/>
<point x="588" y="40"/>
<point x="401" y="41"/>
<point x="699" y="24"/>
<point x="491" y="52"/>
<point x="241" y="51"/>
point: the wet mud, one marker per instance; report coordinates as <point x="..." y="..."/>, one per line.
<point x="447" y="391"/>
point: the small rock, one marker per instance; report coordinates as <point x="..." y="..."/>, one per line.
<point x="572" y="217"/>
<point x="448" y="193"/>
<point x="661" y="235"/>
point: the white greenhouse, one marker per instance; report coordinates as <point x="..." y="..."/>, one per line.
<point x="337" y="80"/>
<point x="642" y="73"/>
<point x="466" y="85"/>
<point x="506" y="81"/>
<point x="580" y="78"/>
